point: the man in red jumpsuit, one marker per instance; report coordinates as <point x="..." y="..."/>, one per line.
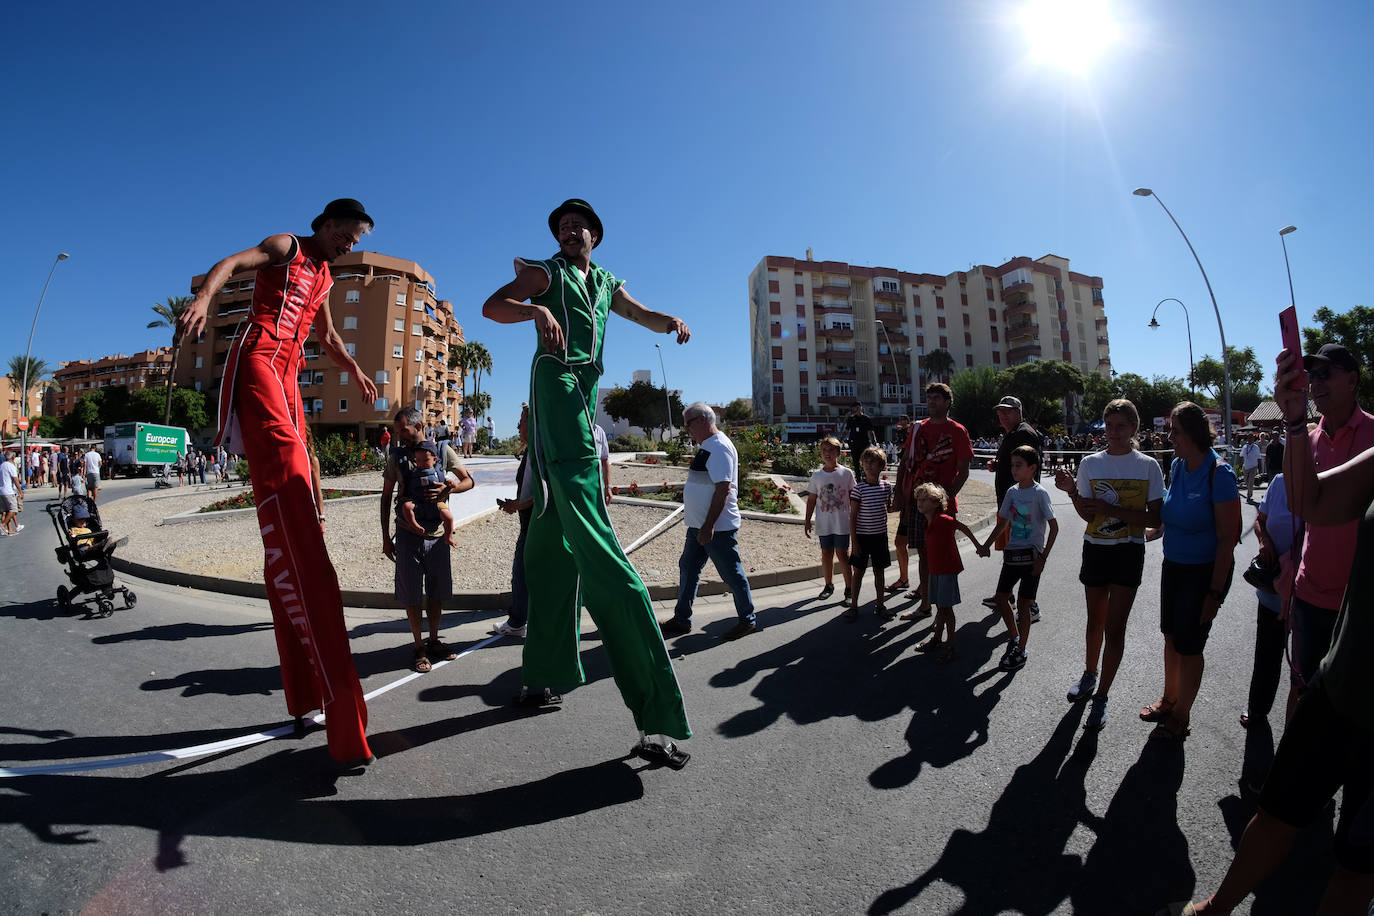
<point x="260" y="415"/>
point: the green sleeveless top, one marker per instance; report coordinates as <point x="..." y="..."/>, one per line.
<point x="580" y="308"/>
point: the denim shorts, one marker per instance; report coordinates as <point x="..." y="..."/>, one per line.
<point x="422" y="568"/>
<point x="834" y="542"/>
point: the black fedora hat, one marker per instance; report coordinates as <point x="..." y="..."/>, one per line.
<point x="343" y="208"/>
<point x="576" y="205"/>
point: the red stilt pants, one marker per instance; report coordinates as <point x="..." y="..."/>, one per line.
<point x="317" y="669"/>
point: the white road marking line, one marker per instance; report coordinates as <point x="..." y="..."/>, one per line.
<point x="215" y="747"/>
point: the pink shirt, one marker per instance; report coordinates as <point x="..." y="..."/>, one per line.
<point x="1329" y="550"/>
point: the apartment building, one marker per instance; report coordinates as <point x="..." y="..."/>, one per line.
<point x="392" y="322"/>
<point x="825" y="334"/>
<point x="9" y="397"/>
<point x="76" y="377"/>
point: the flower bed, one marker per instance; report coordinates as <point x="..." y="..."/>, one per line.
<point x="760" y="494"/>
<point x="244" y="500"/>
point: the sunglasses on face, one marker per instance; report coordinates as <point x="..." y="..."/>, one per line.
<point x="1320" y="372"/>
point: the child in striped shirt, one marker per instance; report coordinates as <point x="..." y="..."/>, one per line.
<point x="870" y="501"/>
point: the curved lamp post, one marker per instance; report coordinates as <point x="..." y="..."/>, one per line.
<point x="1187" y="323"/>
<point x="892" y="357"/>
<point x="1292" y="300"/>
<point x="24" y="385"/>
<point x="667" y="398"/>
<point x="1225" y="369"/>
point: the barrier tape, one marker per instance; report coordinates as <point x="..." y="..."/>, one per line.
<point x="215" y="747"/>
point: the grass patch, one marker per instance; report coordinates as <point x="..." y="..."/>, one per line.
<point x="244" y="500"/>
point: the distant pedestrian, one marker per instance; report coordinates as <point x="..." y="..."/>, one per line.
<point x="468" y="429"/>
<point x="859" y="430"/>
<point x="1250" y="461"/>
<point x="11" y="496"/>
<point x="91" y="464"/>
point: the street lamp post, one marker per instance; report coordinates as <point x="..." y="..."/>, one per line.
<point x="24" y="385"/>
<point x="667" y="398"/>
<point x="1225" y="369"/>
<point x="1187" y="323"/>
<point x="892" y="356"/>
<point x="1292" y="300"/>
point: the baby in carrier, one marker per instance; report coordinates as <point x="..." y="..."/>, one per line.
<point x="415" y="510"/>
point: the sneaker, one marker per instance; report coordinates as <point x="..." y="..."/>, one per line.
<point x="1035" y="613"/>
<point x="1083" y="687"/>
<point x="740" y="629"/>
<point x="846" y="601"/>
<point x="1014" y="660"/>
<point x="826" y="592"/>
<point x="18" y="528"/>
<point x="990" y="602"/>
<point x="674" y="627"/>
<point x="505" y="629"/>
<point x="1097" y="714"/>
<point x="847" y="593"/>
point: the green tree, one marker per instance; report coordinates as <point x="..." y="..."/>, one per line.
<point x="1152" y="397"/>
<point x="168" y="312"/>
<point x="740" y="410"/>
<point x="1246" y="372"/>
<point x="938" y="364"/>
<point x="36" y="369"/>
<point x="976" y="392"/>
<point x="1042" y="385"/>
<point x="1097" y="392"/>
<point x="1353" y="330"/>
<point x="479" y="402"/>
<point x="642" y="404"/>
<point x="188" y="407"/>
<point x="85" y="416"/>
<point x="49" y="426"/>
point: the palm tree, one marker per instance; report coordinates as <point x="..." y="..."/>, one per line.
<point x="479" y="361"/>
<point x="25" y="372"/>
<point x="168" y="313"/>
<point x="938" y="364"/>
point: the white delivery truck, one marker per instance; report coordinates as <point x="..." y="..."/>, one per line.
<point x="136" y="448"/>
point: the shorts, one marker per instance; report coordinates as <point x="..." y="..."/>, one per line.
<point x="871" y="550"/>
<point x="1023" y="573"/>
<point x="943" y="589"/>
<point x="1321" y="751"/>
<point x="1312" y="629"/>
<point x="92" y="481"/>
<point x="470" y="440"/>
<point x="1183" y="588"/>
<point x="834" y="541"/>
<point x="9" y="502"/>
<point x="915" y="524"/>
<point x="1112" y="564"/>
<point x="422" y="568"/>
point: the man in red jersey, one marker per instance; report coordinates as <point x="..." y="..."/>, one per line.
<point x="937" y="450"/>
<point x="260" y="414"/>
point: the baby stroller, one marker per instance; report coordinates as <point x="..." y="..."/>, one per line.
<point x="86" y="556"/>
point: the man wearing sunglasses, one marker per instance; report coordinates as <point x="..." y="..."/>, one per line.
<point x="1328" y="551"/>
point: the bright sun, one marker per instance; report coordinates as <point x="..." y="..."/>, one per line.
<point x="1069" y="35"/>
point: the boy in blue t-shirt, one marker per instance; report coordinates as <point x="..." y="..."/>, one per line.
<point x="1027" y="511"/>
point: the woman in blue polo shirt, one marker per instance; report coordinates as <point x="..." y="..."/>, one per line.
<point x="1201" y="525"/>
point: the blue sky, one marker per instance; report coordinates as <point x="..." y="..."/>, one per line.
<point x="149" y="140"/>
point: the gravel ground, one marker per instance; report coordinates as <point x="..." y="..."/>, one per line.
<point x="231" y="547"/>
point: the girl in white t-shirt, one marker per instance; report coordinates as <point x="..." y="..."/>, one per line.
<point x="1119" y="492"/>
<point x="828" y="500"/>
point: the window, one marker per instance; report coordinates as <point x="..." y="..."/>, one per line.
<point x="319" y="405"/>
<point x="775" y="308"/>
<point x="343" y="405"/>
<point x="197" y="384"/>
<point x="401" y="299"/>
<point x="803" y="390"/>
<point x="416" y="330"/>
<point x="889" y="286"/>
<point x="200" y="361"/>
<point x="400" y="325"/>
<point x="351" y="349"/>
<point x="397" y="352"/>
<point x="382" y="377"/>
<point x="319" y="378"/>
<point x="777" y="364"/>
<point x="382" y="404"/>
<point x="419" y="355"/>
<point x="350" y="323"/>
<point x="777" y="389"/>
<point x="343" y="378"/>
<point x="351" y="296"/>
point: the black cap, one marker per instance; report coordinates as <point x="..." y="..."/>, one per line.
<point x="576" y="205"/>
<point x="343" y="208"/>
<point x="428" y="445"/>
<point x="1333" y="354"/>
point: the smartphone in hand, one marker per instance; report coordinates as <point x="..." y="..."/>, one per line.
<point x="1292" y="342"/>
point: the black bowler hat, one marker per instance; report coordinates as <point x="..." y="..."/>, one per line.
<point x="1333" y="354"/>
<point x="574" y="205"/>
<point x="343" y="208"/>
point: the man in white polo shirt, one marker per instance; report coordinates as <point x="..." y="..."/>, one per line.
<point x="11" y="497"/>
<point x="91" y="464"/>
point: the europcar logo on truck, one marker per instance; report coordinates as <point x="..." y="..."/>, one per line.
<point x="160" y="444"/>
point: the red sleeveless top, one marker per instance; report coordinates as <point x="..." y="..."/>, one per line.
<point x="287" y="296"/>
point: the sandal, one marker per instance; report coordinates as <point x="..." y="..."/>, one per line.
<point x="1171" y="729"/>
<point x="669" y="755"/>
<point x="1157" y="711"/>
<point x="438" y="652"/>
<point x="916" y="614"/>
<point x="851" y="615"/>
<point x="421" y="663"/>
<point x="929" y="644"/>
<point x="899" y="585"/>
<point x="882" y="611"/>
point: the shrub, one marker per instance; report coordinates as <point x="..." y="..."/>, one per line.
<point x="339" y="456"/>
<point x="756" y="445"/>
<point x="762" y="495"/>
<point x="799" y="463"/>
<point x="628" y="442"/>
<point x="676" y="450"/>
<point x="241" y="470"/>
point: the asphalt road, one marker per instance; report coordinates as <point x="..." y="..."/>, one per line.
<point x="834" y="770"/>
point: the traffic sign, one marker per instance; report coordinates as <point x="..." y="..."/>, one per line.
<point x="23" y="424"/>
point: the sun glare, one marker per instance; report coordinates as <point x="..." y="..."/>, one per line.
<point x="1068" y="35"/>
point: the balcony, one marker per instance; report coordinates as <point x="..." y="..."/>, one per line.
<point x="835" y="374"/>
<point x="1025" y="307"/>
<point x="832" y="308"/>
<point x="832" y="290"/>
<point x="837" y="356"/>
<point x="892" y="295"/>
<point x="1102" y="340"/>
<point x="1023" y="352"/>
<point x="897" y="337"/>
<point x="887" y="311"/>
<point x="1026" y="287"/>
<point x="1101" y="324"/>
<point x="844" y="400"/>
<point x="1027" y="331"/>
<point x="835" y="333"/>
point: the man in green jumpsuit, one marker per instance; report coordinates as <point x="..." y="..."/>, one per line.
<point x="572" y="556"/>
